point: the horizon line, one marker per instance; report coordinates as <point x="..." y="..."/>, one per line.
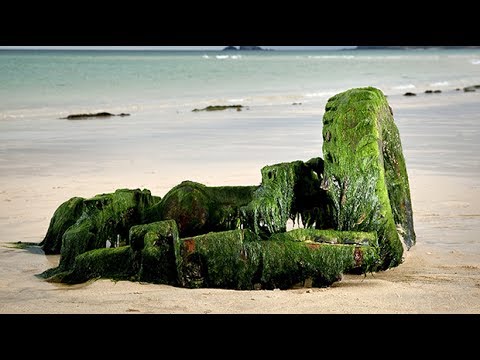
<point x="170" y="48"/>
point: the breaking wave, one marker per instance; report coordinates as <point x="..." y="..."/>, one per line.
<point x="320" y="94"/>
<point x="440" y="83"/>
<point x="404" y="87"/>
<point x="234" y="57"/>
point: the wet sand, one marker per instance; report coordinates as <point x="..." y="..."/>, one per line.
<point x="40" y="170"/>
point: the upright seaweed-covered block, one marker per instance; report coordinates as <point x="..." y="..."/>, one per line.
<point x="288" y="191"/>
<point x="364" y="171"/>
<point x="153" y="245"/>
<point x="219" y="260"/>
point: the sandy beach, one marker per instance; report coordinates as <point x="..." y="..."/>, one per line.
<point x="42" y="168"/>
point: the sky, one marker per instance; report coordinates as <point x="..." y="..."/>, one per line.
<point x="200" y="48"/>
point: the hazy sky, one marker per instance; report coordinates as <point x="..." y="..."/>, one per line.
<point x="172" y="47"/>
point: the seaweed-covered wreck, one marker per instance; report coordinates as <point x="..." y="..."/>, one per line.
<point x="354" y="205"/>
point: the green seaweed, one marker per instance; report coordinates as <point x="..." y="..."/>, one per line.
<point x="362" y="240"/>
<point x="288" y="191"/>
<point x="21" y="245"/>
<point x="360" y="143"/>
<point x="235" y="236"/>
<point x="65" y="216"/>
<point x="286" y="263"/>
<point x="238" y="260"/>
<point x="103" y="217"/>
<point x="140" y="236"/>
<point x="149" y="258"/>
<point x="154" y="242"/>
<point x="199" y="209"/>
<point x="112" y="263"/>
<point x="396" y="178"/>
<point x="273" y="202"/>
<point x="219" y="108"/>
<point x="217" y="260"/>
<point x="328" y="237"/>
<point x="53" y="275"/>
<point x="78" y="239"/>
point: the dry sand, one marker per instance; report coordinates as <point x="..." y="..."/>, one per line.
<point x="432" y="279"/>
<point x="441" y="274"/>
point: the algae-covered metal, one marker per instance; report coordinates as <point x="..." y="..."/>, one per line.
<point x="87" y="224"/>
<point x="288" y="191"/>
<point x="65" y="216"/>
<point x="364" y="171"/>
<point x="354" y="206"/>
<point x="199" y="209"/>
<point x="238" y="259"/>
<point x="328" y="237"/>
<point x="154" y="243"/>
<point x="149" y="257"/>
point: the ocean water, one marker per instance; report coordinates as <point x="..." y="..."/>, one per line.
<point x="49" y="84"/>
<point x="167" y="142"/>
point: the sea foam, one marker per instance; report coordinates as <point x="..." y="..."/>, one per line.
<point x="440" y="83"/>
<point x="234" y="57"/>
<point x="320" y="94"/>
<point x="331" y="57"/>
<point x="404" y="87"/>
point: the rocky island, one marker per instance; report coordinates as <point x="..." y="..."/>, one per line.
<point x="416" y="47"/>
<point x="354" y="205"/>
<point x="92" y="115"/>
<point x="245" y="48"/>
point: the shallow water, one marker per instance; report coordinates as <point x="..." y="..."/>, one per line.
<point x="54" y="83"/>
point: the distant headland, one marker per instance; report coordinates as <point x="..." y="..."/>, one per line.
<point x="246" y="48"/>
<point x="375" y="47"/>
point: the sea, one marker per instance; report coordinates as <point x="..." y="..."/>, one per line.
<point x="283" y="94"/>
<point x="42" y="84"/>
